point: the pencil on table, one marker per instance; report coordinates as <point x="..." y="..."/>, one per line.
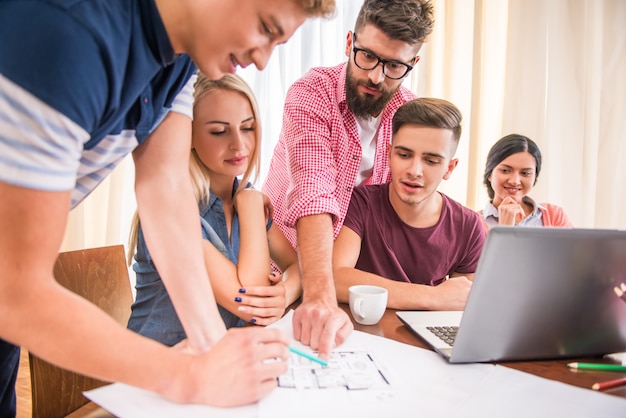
<point x="597" y="366"/>
<point x="609" y="384"/>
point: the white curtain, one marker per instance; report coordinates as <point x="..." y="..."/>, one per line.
<point x="553" y="70"/>
<point x="104" y="217"/>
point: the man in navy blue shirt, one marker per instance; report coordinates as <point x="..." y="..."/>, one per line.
<point x="82" y="84"/>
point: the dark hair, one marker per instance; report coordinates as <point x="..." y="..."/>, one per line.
<point x="428" y="111"/>
<point x="410" y="21"/>
<point x="505" y="147"/>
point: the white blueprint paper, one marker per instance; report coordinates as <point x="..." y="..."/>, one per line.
<point x="422" y="383"/>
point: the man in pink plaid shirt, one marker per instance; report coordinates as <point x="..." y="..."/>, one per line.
<point x="336" y="127"/>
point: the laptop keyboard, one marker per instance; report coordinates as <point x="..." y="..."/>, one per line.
<point x="446" y="334"/>
<point x="349" y="369"/>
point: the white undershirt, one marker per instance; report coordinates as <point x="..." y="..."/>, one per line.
<point x="367" y="129"/>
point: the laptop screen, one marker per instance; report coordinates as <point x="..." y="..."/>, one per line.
<point x="543" y="293"/>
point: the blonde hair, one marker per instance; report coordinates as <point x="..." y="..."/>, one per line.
<point x="317" y="8"/>
<point x="197" y="170"/>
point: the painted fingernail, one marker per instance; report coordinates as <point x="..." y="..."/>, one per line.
<point x="253" y="320"/>
<point x="242" y="290"/>
<point x="238" y="299"/>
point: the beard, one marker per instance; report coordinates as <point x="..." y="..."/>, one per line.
<point x="366" y="106"/>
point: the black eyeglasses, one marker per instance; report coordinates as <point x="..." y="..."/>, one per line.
<point x="367" y="60"/>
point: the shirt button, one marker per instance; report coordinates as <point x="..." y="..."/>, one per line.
<point x="355" y="157"/>
<point x="145" y="100"/>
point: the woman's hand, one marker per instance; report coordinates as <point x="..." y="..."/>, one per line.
<point x="266" y="304"/>
<point x="510" y="212"/>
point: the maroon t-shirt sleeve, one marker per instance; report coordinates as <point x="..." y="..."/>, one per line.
<point x="356" y="211"/>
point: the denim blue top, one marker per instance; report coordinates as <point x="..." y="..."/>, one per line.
<point x="153" y="314"/>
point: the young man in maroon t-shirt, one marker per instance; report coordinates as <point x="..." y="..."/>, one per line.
<point x="405" y="235"/>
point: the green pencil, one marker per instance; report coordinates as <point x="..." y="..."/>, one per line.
<point x="597" y="366"/>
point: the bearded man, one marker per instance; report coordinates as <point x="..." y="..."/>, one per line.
<point x="335" y="135"/>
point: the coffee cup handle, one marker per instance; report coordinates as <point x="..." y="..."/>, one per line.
<point x="357" y="308"/>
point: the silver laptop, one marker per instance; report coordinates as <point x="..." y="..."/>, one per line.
<point x="538" y="293"/>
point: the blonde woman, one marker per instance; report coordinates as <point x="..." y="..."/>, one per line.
<point x="240" y="240"/>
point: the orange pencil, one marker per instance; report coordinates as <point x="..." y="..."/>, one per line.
<point x="609" y="384"/>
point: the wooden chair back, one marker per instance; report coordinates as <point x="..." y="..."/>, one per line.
<point x="99" y="275"/>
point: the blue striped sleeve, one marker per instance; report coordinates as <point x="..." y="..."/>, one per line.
<point x="39" y="147"/>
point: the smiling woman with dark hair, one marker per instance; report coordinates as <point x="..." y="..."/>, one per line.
<point x="512" y="168"/>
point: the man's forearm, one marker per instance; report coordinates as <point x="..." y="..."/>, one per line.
<point x="402" y="295"/>
<point x="170" y="224"/>
<point x="177" y="253"/>
<point x="315" y="250"/>
<point x="108" y="351"/>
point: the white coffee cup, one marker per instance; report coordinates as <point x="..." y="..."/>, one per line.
<point x="367" y="303"/>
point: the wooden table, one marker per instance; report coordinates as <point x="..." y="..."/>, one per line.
<point x="391" y="327"/>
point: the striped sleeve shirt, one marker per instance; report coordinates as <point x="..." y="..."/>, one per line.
<point x="81" y="85"/>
